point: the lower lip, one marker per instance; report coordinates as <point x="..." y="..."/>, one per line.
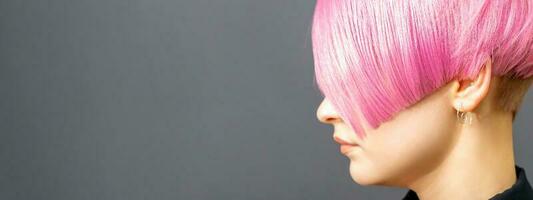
<point x="347" y="148"/>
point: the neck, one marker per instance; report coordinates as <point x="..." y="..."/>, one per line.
<point x="480" y="165"/>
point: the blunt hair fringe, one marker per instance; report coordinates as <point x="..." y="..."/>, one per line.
<point x="378" y="57"/>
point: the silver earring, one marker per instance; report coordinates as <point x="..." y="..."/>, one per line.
<point x="464" y="117"/>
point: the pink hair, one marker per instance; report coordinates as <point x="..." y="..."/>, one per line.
<point x="378" y="57"/>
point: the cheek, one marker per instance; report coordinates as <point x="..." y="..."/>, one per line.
<point x="403" y="148"/>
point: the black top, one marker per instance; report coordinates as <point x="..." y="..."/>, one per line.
<point x="521" y="190"/>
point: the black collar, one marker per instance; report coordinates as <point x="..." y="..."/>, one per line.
<point x="520" y="189"/>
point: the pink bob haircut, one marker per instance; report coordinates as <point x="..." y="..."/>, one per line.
<point x="377" y="57"/>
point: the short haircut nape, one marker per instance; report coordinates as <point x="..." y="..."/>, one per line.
<point x="510" y="93"/>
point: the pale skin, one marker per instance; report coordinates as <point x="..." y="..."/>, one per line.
<point x="425" y="148"/>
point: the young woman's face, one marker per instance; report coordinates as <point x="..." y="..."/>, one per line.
<point x="403" y="148"/>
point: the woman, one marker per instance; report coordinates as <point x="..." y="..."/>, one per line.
<point x="422" y="93"/>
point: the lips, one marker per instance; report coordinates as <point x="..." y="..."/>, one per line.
<point x="343" y="142"/>
<point x="345" y="149"/>
<point x="345" y="146"/>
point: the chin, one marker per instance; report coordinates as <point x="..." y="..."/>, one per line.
<point x="367" y="176"/>
<point x="364" y="180"/>
<point x="363" y="176"/>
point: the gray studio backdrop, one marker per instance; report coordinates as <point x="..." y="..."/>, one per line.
<point x="170" y="99"/>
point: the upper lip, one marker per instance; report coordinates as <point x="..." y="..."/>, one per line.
<point x="341" y="141"/>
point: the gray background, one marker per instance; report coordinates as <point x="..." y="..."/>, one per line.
<point x="166" y="99"/>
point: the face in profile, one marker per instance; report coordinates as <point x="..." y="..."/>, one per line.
<point x="393" y="74"/>
<point x="399" y="150"/>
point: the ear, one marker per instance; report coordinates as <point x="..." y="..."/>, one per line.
<point x="467" y="95"/>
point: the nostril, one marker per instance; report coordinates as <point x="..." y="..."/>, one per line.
<point x="326" y="113"/>
<point x="331" y="119"/>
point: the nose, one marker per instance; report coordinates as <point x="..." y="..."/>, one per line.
<point x="326" y="113"/>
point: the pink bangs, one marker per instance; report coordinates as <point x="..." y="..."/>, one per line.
<point x="375" y="58"/>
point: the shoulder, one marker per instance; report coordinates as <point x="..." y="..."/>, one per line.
<point x="520" y="190"/>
